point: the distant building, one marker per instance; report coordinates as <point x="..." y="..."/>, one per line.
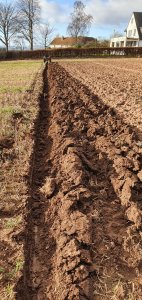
<point x="133" y="37"/>
<point x="66" y="42"/>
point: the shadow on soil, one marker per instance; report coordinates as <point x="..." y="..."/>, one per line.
<point x="37" y="261"/>
<point x="35" y="243"/>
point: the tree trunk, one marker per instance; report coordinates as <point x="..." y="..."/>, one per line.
<point x="6" y="46"/>
<point x="31" y="39"/>
<point x="32" y="44"/>
<point x="31" y="33"/>
<point x="45" y="43"/>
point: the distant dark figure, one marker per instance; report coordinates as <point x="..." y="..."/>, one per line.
<point x="44" y="58"/>
<point x="47" y="59"/>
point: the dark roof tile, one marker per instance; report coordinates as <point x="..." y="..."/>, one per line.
<point x="71" y="41"/>
<point x="138" y="18"/>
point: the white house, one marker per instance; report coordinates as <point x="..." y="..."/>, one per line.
<point x="133" y="37"/>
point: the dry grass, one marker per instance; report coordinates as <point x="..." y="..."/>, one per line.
<point x="16" y="76"/>
<point x="18" y="110"/>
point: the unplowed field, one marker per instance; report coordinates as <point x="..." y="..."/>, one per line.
<point x="20" y="85"/>
<point x="83" y="232"/>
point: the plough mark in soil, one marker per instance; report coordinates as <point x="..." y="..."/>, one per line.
<point x="37" y="256"/>
<point x="84" y="220"/>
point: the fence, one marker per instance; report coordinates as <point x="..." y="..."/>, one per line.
<point x="72" y="53"/>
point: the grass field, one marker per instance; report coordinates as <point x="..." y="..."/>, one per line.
<point x="16" y="76"/>
<point x="15" y="79"/>
<point x="17" y="113"/>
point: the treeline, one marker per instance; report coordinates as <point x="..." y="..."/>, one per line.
<point x="72" y="53"/>
<point x="20" y="22"/>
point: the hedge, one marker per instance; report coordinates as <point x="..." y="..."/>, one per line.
<point x="72" y="53"/>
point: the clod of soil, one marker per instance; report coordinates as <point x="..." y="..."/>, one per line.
<point x="6" y="143"/>
<point x="49" y="187"/>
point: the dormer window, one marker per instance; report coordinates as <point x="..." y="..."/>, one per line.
<point x="134" y="32"/>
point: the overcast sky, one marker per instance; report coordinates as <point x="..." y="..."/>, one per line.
<point x="109" y="15"/>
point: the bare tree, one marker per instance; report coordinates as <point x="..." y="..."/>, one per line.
<point x="80" y="21"/>
<point x="45" y="31"/>
<point x="116" y="34"/>
<point x="8" y="26"/>
<point x="29" y="16"/>
<point x="19" y="42"/>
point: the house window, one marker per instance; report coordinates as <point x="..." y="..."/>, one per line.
<point x="134" y="32"/>
<point x="122" y="44"/>
<point x="130" y="33"/>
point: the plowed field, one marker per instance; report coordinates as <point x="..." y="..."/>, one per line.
<point x="83" y="232"/>
<point x="118" y="82"/>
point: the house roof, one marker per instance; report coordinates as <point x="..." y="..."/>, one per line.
<point x="138" y="19"/>
<point x="71" y="41"/>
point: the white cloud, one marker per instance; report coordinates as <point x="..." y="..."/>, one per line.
<point x="112" y="12"/>
<point x="108" y="14"/>
<point x="53" y="12"/>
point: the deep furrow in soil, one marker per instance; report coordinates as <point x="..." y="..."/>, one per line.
<point x="83" y="235"/>
<point x="37" y="256"/>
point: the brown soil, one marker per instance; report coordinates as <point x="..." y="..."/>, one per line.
<point x="118" y="82"/>
<point x="83" y="232"/>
